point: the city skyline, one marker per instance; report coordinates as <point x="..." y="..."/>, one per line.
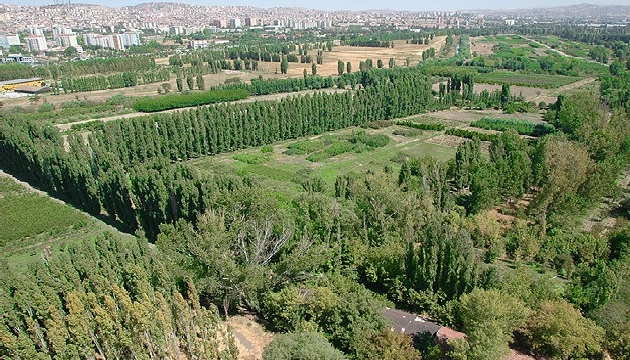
<point x="446" y="5"/>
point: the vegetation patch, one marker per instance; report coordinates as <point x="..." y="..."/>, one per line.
<point x="251" y="158"/>
<point x="535" y="80"/>
<point x="358" y="142"/>
<point x="421" y="126"/>
<point x="523" y="127"/>
<point x="26" y="215"/>
<point x="175" y="101"/>
<point x="471" y="134"/>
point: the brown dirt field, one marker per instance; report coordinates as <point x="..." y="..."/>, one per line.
<point x="141" y="90"/>
<point x="250" y="337"/>
<point x="355" y="54"/>
<point x="482" y="47"/>
<point x="459" y="117"/>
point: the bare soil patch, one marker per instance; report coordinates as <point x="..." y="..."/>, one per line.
<point x="482" y="47"/>
<point x="447" y="140"/>
<point x="355" y="54"/>
<point x="250" y="337"/>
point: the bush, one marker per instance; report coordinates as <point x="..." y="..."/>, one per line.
<point x="250" y="158"/>
<point x="46" y="107"/>
<point x="301" y="346"/>
<point x="175" y="101"/>
<point x="421" y="126"/>
<point x="408" y="132"/>
<point x="471" y="134"/>
<point x="521" y="126"/>
<point x="266" y="149"/>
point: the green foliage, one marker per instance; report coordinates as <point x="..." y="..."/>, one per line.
<point x="468" y="134"/>
<point x="110" y="298"/>
<point x="251" y="158"/>
<point x="26" y="215"/>
<point x="420" y="126"/>
<point x="388" y="345"/>
<point x="559" y="331"/>
<point x="518" y="79"/>
<point x="266" y="149"/>
<point x="489" y="319"/>
<point x="301" y="346"/>
<point x="176" y="101"/>
<point x="523" y="127"/>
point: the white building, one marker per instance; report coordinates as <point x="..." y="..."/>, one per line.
<point x="60" y="31"/>
<point x="67" y="40"/>
<point x="199" y="44"/>
<point x="235" y="23"/>
<point x="9" y="40"/>
<point x="36" y="43"/>
<point x="130" y="38"/>
<point x="35" y="31"/>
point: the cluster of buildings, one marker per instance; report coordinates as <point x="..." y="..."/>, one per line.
<point x="112" y="41"/>
<point x="62" y="38"/>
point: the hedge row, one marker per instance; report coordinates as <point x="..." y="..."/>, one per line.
<point x="175" y="101"/>
<point x="415" y="125"/>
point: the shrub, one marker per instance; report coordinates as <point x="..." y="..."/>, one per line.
<point x="421" y="126"/>
<point x="301" y="346"/>
<point x="175" y="101"/>
<point x="250" y="158"/>
<point x="266" y="149"/>
<point x="408" y="132"/>
<point x="521" y="126"/>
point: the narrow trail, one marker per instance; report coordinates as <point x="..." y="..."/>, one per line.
<point x="562" y="89"/>
<point x="270" y="97"/>
<point x="560" y="52"/>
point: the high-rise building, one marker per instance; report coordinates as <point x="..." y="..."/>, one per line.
<point x="251" y="21"/>
<point x="67" y="40"/>
<point x="7" y="40"/>
<point x="35" y="43"/>
<point x="235" y="23"/>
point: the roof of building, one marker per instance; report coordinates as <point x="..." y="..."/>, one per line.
<point x="19" y="81"/>
<point x="408" y="323"/>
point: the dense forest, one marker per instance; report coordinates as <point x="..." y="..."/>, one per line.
<point x="320" y="263"/>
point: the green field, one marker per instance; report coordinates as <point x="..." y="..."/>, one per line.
<point x="30" y="221"/>
<point x="288" y="166"/>
<point x="508" y="39"/>
<point x="534" y="80"/>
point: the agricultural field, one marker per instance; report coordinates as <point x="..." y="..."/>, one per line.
<point x="31" y="221"/>
<point x="534" y="80"/>
<point x="328" y="155"/>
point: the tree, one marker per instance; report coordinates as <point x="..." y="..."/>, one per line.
<point x="392" y="63"/>
<point x="189" y="82"/>
<point x="284" y="65"/>
<point x="379" y="63"/>
<point x="180" y="84"/>
<point x="200" y="83"/>
<point x="388" y="345"/>
<point x="70" y="52"/>
<point x="301" y="346"/>
<point x="340" y="67"/>
<point x="558" y="330"/>
<point x="314" y="69"/>
<point x="489" y="319"/>
<point x="349" y="67"/>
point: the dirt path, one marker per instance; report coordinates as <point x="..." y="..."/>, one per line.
<point x="251" y="338"/>
<point x="271" y="97"/>
<point x="560" y="52"/>
<point x="552" y="93"/>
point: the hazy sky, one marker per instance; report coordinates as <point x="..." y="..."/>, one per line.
<point x="357" y="4"/>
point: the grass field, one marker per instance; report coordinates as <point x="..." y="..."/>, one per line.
<point x="29" y="221"/>
<point x="535" y="80"/>
<point x="284" y="165"/>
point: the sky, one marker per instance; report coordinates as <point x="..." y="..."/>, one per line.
<point x="419" y="5"/>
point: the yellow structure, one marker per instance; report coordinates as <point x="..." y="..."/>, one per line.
<point x="12" y="84"/>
